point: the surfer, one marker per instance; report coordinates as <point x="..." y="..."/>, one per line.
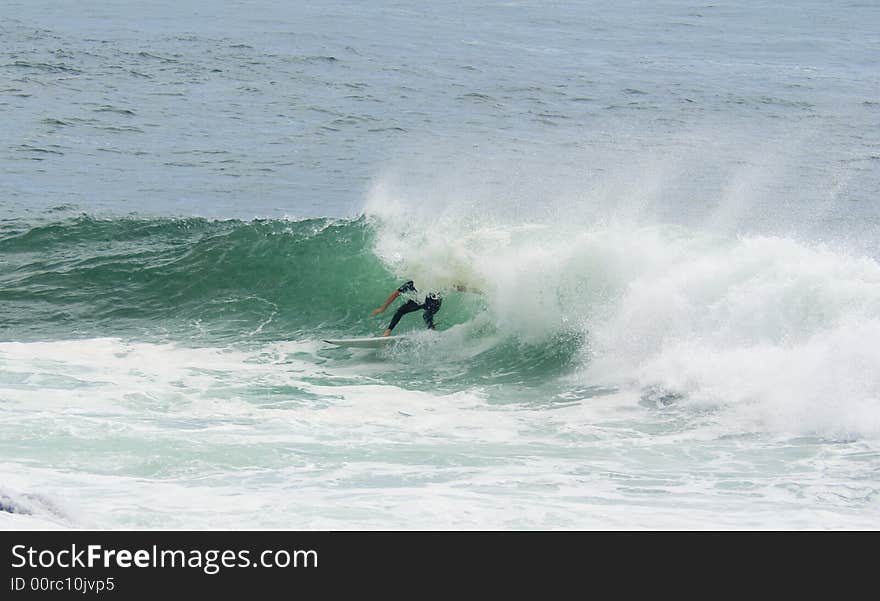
<point x="430" y="305"/>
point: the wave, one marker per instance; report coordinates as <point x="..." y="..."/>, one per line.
<point x="93" y="275"/>
<point x="778" y="332"/>
<point x="21" y="510"/>
<point x="774" y="330"/>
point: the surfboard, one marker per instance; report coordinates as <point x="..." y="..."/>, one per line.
<point x="377" y="342"/>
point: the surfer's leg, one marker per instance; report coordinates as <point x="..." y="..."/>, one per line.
<point x="431" y="306"/>
<point x="407" y="307"/>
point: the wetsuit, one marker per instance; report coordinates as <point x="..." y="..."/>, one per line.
<point x="430" y="306"/>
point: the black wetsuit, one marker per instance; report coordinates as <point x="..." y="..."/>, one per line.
<point x="431" y="306"/>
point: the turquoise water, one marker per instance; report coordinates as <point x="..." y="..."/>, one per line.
<point x="664" y="213"/>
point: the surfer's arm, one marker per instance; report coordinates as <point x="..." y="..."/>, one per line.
<point x="388" y="301"/>
<point x="463" y="288"/>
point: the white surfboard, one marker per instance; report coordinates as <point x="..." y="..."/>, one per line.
<point x="377" y="342"/>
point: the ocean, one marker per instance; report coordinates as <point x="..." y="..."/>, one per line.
<point x="665" y="215"/>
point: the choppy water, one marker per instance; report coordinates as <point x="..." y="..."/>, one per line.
<point x="668" y="211"/>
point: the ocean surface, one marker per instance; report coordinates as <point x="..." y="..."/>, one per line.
<point x="666" y="213"/>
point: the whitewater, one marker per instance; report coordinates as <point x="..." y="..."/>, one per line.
<point x="664" y="215"/>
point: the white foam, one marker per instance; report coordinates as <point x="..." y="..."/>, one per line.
<point x="779" y="328"/>
<point x="776" y="329"/>
<point x="189" y="442"/>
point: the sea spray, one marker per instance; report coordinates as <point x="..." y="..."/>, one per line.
<point x="766" y="326"/>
